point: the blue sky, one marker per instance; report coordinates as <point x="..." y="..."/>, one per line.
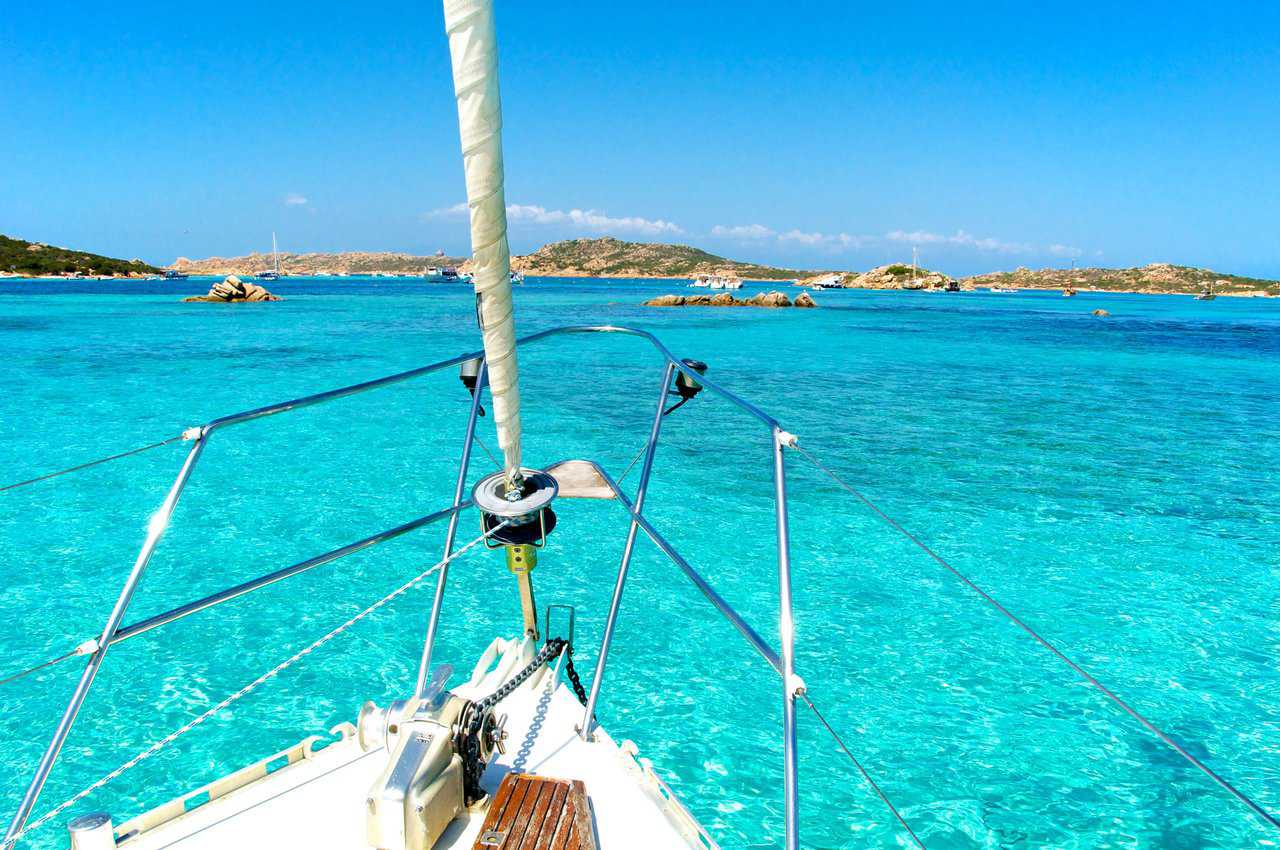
<point x="824" y="135"/>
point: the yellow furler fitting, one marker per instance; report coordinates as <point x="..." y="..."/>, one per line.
<point x="521" y="558"/>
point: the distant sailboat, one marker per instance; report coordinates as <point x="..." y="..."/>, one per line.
<point x="1208" y="294"/>
<point x="274" y="272"/>
<point x="915" y="262"/>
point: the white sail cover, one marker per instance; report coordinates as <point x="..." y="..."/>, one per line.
<point x="474" y="49"/>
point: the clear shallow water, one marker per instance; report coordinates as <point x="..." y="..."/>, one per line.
<point x="1114" y="481"/>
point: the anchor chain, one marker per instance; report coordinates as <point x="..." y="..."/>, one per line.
<point x="473" y="765"/>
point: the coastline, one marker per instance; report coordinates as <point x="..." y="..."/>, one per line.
<point x="580" y="275"/>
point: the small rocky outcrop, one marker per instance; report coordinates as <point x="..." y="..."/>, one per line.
<point x="769" y="299"/>
<point x="1101" y="314"/>
<point x="233" y="289"/>
<point x="724" y="299"/>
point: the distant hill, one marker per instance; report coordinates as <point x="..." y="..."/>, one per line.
<point x="1156" y="278"/>
<point x="35" y="259"/>
<point x="604" y="257"/>
<point x="609" y="257"/>
<point x="347" y="262"/>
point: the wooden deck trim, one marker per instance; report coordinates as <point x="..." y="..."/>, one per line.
<point x="538" y="813"/>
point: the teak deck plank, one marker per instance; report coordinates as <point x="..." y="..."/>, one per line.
<point x="537" y="813"/>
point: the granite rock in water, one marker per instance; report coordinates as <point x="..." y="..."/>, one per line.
<point x="769" y="299"/>
<point x="232" y="289"/>
<point x="1101" y="313"/>
<point x="724" y="299"/>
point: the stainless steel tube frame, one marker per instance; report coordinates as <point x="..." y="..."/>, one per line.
<point x="642" y="488"/>
<point x="464" y="463"/>
<point x="735" y="619"/>
<point x="786" y="634"/>
<point x="283" y="573"/>
<point x="155" y="530"/>
<point x="201" y="435"/>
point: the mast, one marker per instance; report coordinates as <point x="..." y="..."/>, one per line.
<point x="914" y="251"/>
<point x="474" y="50"/>
<point x="275" y="258"/>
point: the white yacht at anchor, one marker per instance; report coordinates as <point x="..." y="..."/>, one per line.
<point x="716" y="281"/>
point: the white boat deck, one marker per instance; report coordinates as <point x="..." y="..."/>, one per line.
<point x="318" y="802"/>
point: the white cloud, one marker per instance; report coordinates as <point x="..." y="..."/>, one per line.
<point x="829" y="240"/>
<point x="960" y="239"/>
<point x="587" y="219"/>
<point x="591" y="220"/>
<point x="1059" y="250"/>
<point x="293" y="199"/>
<point x="743" y="231"/>
<point x="802" y="237"/>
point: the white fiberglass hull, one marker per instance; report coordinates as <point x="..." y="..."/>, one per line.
<point x="319" y="801"/>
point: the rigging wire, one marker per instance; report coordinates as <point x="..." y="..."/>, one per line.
<point x="497" y="463"/>
<point x="865" y="775"/>
<point x="49" y="475"/>
<point x="626" y="471"/>
<point x="265" y="677"/>
<point x="43" y="664"/>
<point x="1059" y="654"/>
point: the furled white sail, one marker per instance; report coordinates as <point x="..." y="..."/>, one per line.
<point x="474" y="49"/>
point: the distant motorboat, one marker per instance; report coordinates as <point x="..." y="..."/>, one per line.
<point x="517" y="278"/>
<point x="952" y="286"/>
<point x="831" y="281"/>
<point x="1002" y="290"/>
<point x="1068" y="292"/>
<point x="445" y="274"/>
<point x="173" y="274"/>
<point x="715" y="281"/>
<point x="1207" y="295"/>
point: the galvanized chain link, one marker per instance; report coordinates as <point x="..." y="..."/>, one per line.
<point x="270" y="674"/>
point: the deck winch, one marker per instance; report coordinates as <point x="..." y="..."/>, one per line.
<point x="518" y="517"/>
<point x="439" y="746"/>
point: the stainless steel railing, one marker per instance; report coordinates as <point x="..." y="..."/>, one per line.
<point x="782" y="661"/>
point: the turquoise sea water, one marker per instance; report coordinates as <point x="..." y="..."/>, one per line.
<point x="1112" y="480"/>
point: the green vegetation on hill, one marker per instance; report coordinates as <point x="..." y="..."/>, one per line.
<point x="36" y="259"/>
<point x="614" y="258"/>
<point x="1153" y="278"/>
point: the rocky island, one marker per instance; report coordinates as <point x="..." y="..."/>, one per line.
<point x="608" y="257"/>
<point x="20" y="258"/>
<point x="1153" y="279"/>
<point x="892" y="276"/>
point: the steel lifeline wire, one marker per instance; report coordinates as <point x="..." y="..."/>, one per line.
<point x="1059" y="654"/>
<point x="247" y="689"/>
<point x="100" y="460"/>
